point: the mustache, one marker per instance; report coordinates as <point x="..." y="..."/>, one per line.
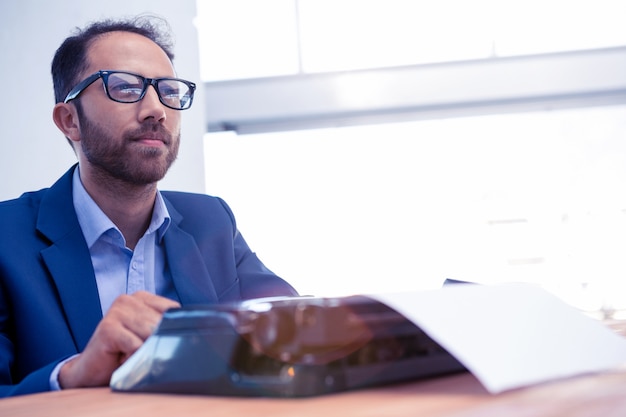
<point x="154" y="131"/>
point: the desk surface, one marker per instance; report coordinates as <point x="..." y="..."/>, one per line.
<point x="459" y="395"/>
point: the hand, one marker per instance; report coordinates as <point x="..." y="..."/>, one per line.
<point x="127" y="324"/>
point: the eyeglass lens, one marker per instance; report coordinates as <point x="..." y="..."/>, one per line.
<point x="129" y="88"/>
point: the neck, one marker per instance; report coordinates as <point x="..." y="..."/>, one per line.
<point x="129" y="206"/>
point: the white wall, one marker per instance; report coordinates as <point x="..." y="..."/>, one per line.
<point x="34" y="153"/>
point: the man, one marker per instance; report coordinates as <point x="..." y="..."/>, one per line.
<point x="88" y="266"/>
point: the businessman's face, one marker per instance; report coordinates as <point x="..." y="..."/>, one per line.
<point x="133" y="142"/>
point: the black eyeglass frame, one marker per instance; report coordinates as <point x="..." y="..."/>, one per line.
<point x="104" y="74"/>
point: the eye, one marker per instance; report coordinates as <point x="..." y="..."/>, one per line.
<point x="124" y="86"/>
<point x="170" y="89"/>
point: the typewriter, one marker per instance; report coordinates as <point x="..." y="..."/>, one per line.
<point x="282" y="347"/>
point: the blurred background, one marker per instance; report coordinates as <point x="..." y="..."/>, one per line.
<point x="375" y="146"/>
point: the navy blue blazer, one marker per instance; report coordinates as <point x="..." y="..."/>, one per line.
<point x="49" y="304"/>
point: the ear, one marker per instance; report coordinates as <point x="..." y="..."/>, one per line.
<point x="66" y="119"/>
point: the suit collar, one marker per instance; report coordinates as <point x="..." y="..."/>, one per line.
<point x="57" y="216"/>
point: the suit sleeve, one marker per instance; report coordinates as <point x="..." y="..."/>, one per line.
<point x="255" y="279"/>
<point x="37" y="381"/>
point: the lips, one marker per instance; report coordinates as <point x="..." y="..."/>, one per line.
<point x="153" y="134"/>
<point x="152" y="139"/>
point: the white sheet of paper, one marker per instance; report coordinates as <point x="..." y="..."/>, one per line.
<point x="512" y="335"/>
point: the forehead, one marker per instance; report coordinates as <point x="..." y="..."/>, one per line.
<point x="128" y="51"/>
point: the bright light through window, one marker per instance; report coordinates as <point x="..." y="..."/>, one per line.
<point x="246" y="39"/>
<point x="351" y="34"/>
<point x="538" y="26"/>
<point x="251" y="38"/>
<point x="535" y="197"/>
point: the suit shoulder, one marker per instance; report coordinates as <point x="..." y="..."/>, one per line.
<point x="23" y="204"/>
<point x="18" y="217"/>
<point x="195" y="203"/>
<point x="25" y="199"/>
<point x="184" y="198"/>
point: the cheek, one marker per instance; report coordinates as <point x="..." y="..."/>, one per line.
<point x="113" y="123"/>
<point x="173" y="121"/>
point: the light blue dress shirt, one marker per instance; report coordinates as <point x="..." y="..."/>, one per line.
<point x="118" y="269"/>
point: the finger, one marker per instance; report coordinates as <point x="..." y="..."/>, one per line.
<point x="119" y="337"/>
<point x="158" y="303"/>
<point x="133" y="314"/>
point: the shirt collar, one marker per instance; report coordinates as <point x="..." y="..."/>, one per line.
<point x="160" y="218"/>
<point x="94" y="223"/>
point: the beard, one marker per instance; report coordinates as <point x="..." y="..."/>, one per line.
<point x="123" y="159"/>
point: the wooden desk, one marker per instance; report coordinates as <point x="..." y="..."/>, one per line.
<point x="459" y="395"/>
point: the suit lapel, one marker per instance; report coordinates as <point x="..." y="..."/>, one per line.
<point x="69" y="262"/>
<point x="190" y="275"/>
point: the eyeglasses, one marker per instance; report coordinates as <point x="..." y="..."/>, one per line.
<point x="126" y="87"/>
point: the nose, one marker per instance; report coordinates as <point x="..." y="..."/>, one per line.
<point x="151" y="107"/>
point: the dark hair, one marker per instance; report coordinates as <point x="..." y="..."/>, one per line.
<point x="70" y="60"/>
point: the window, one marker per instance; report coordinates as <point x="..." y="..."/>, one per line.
<point x="535" y="197"/>
<point x="251" y="38"/>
